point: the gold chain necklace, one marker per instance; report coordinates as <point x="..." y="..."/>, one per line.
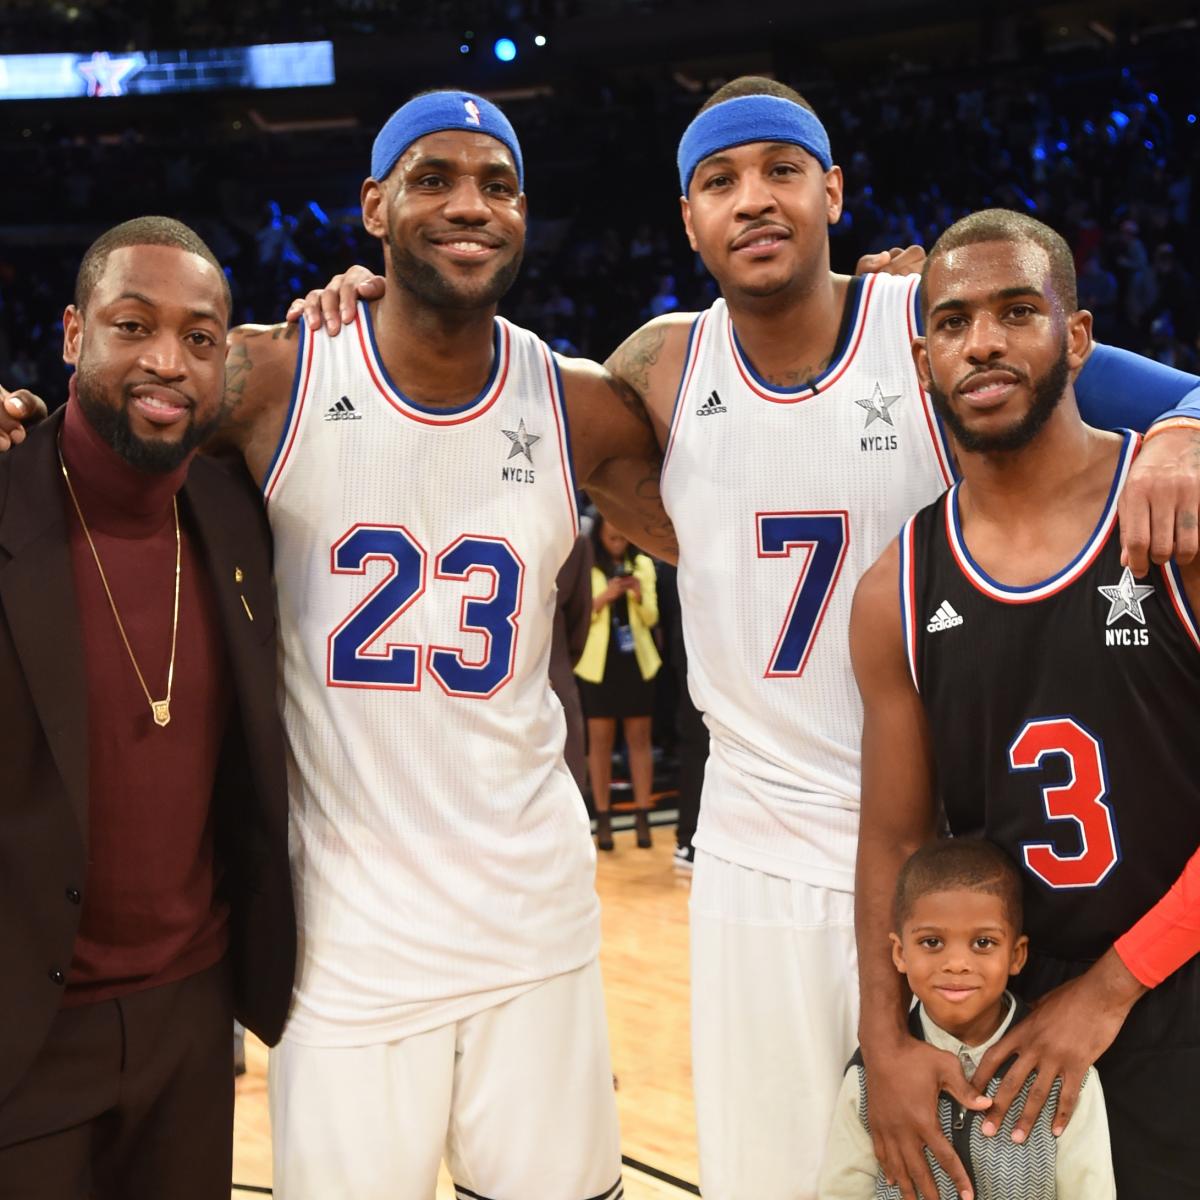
<point x="161" y="709"/>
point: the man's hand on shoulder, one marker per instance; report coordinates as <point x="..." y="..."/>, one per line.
<point x="336" y="304"/>
<point x="896" y="261"/>
<point x="18" y="409"/>
<point x="1067" y="1031"/>
<point x="1159" y="507"/>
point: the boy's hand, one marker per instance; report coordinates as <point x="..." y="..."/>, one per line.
<point x="903" y="1083"/>
<point x="1067" y="1031"/>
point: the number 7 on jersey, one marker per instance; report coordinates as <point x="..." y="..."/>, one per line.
<point x="823" y="537"/>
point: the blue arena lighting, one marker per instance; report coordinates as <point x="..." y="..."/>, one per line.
<point x="464" y="49"/>
<point x="505" y="49"/>
<point x="1191" y="118"/>
<point x="1062" y="147"/>
<point x="1148" y="144"/>
<point x="1118" y="118"/>
<point x="1152" y="97"/>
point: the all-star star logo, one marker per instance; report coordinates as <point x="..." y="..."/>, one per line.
<point x="1125" y="598"/>
<point x="106" y="75"/>
<point x="522" y="442"/>
<point x="877" y="405"/>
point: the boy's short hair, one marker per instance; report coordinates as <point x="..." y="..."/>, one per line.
<point x="952" y="864"/>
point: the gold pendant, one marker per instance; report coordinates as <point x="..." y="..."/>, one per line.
<point x="162" y="711"/>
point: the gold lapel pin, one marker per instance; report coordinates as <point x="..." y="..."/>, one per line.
<point x="238" y="576"/>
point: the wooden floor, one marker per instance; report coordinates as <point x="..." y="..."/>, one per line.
<point x="645" y="963"/>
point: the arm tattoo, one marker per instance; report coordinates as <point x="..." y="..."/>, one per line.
<point x="632" y="361"/>
<point x="656" y="524"/>
<point x="237" y="373"/>
<point x="629" y="398"/>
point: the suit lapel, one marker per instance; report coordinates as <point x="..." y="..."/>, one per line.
<point x="37" y="591"/>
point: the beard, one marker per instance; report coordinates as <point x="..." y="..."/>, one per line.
<point x="430" y="286"/>
<point x="1047" y="392"/>
<point x="111" y="422"/>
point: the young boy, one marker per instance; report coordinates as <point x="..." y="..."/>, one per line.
<point x="957" y="937"/>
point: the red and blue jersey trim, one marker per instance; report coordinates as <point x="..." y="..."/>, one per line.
<point x="426" y="414"/>
<point x="1173" y="578"/>
<point x="908" y="596"/>
<point x="295" y="412"/>
<point x="861" y="292"/>
<point x="1029" y="593"/>
<point x="558" y="405"/>
<point x="690" y="358"/>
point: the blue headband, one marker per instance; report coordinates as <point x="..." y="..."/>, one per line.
<point x="434" y="113"/>
<point x="748" y="119"/>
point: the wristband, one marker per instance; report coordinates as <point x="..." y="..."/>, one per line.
<point x="1165" y="423"/>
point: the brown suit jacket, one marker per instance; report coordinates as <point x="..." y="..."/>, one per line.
<point x="43" y="748"/>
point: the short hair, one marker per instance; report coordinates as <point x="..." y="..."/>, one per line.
<point x="959" y="864"/>
<point x="755" y="85"/>
<point x="142" y="231"/>
<point x="1004" y="225"/>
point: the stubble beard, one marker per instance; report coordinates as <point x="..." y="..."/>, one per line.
<point x="432" y="288"/>
<point x="1048" y="391"/>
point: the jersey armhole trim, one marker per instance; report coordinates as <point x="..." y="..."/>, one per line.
<point x="1179" y="600"/>
<point x="908" y="597"/>
<point x="558" y="403"/>
<point x="691" y="357"/>
<point x="937" y="431"/>
<point x="291" y="424"/>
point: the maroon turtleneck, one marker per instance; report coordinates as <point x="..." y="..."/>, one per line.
<point x="149" y="915"/>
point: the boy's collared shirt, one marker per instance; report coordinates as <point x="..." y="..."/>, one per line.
<point x="1083" y="1157"/>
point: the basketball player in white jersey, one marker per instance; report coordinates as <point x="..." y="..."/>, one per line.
<point x="419" y="483"/>
<point x="797" y="441"/>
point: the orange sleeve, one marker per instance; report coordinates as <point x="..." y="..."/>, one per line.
<point x="1169" y="934"/>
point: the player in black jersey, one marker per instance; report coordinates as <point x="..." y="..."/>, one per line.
<point x="1024" y="680"/>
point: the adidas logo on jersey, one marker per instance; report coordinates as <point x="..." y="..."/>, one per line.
<point x="711" y="406"/>
<point x="343" y="410"/>
<point x="944" y="618"/>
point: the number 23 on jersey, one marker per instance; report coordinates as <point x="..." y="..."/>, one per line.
<point x="354" y="661"/>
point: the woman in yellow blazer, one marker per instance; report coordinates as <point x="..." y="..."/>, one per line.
<point x="616" y="673"/>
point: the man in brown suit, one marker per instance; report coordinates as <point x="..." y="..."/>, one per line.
<point x="144" y="888"/>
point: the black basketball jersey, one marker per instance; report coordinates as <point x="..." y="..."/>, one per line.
<point x="1063" y="718"/>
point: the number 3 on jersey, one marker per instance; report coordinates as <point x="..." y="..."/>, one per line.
<point x="1080" y="799"/>
<point x="824" y="537"/>
<point x="397" y="666"/>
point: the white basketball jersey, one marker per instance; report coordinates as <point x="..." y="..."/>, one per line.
<point x="441" y="850"/>
<point x="781" y="499"/>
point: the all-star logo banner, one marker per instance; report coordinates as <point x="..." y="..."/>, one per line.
<point x="152" y="72"/>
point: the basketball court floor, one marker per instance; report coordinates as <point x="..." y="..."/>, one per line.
<point x="644" y="957"/>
